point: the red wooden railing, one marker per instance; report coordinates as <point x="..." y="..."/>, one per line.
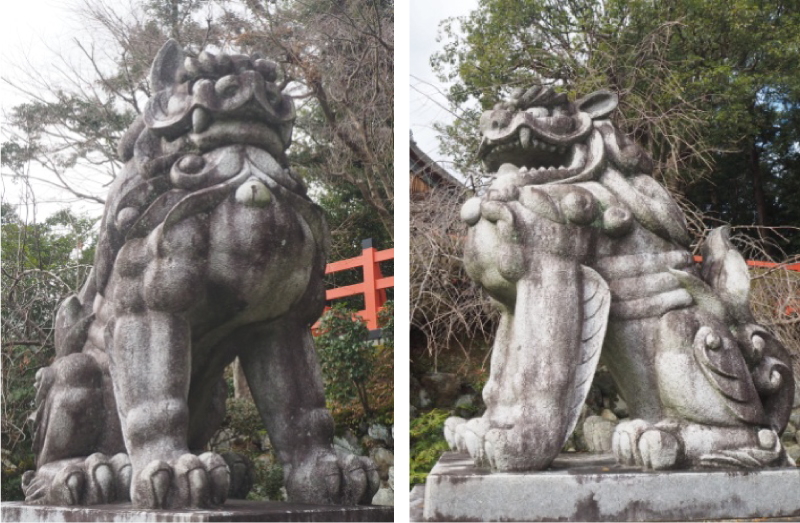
<point x="756" y="263"/>
<point x="373" y="287"/>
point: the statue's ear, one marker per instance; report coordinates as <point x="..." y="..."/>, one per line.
<point x="598" y="104"/>
<point x="166" y="64"/>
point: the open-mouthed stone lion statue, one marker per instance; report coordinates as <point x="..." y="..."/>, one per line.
<point x="587" y="257"/>
<point x="209" y="249"/>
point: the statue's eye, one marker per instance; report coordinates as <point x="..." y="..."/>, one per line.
<point x="227" y="85"/>
<point x="538" y="112"/>
<point x="758" y="345"/>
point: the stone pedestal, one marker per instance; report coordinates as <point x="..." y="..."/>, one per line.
<point x="591" y="487"/>
<point x="234" y="510"/>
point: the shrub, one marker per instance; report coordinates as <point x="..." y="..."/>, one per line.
<point x="346" y="355"/>
<point x="427" y="443"/>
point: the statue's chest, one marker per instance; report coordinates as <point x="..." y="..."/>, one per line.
<point x="259" y="253"/>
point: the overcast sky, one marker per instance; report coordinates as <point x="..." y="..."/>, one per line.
<point x="427" y="101"/>
<point x="33" y="31"/>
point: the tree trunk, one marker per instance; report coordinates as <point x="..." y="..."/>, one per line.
<point x="240" y="388"/>
<point x="758" y="185"/>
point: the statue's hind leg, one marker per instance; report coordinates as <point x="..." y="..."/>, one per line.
<point x="713" y="399"/>
<point x="286" y="381"/>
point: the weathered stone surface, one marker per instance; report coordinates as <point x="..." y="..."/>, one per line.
<point x="384" y="460"/>
<point x="587" y="256"/>
<point x="384" y="497"/>
<point x="416" y="500"/>
<point x="379" y="432"/>
<point x="598" y="433"/>
<point x="209" y="249"/>
<point x="234" y="510"/>
<point x="595" y="488"/>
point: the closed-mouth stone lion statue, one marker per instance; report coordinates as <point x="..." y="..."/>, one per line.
<point x="587" y="258"/>
<point x="209" y="249"/>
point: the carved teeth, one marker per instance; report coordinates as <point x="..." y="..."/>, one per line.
<point x="525" y="137"/>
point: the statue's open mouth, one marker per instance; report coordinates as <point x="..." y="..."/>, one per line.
<point x="550" y="148"/>
<point x="534" y="154"/>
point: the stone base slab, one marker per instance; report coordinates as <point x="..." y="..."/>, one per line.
<point x="234" y="510"/>
<point x="591" y="487"/>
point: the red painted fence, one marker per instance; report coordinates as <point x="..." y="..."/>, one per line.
<point x="373" y="287"/>
<point x="756" y="263"/>
<point x="794" y="302"/>
<point x="375" y="284"/>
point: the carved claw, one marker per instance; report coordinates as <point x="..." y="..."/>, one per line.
<point x="186" y="482"/>
<point x="68" y="486"/>
<point x="123" y="471"/>
<point x="450" y="432"/>
<point x="625" y="441"/>
<point x="355" y="479"/>
<point x="658" y="449"/>
<point x="219" y="475"/>
<point x="151" y="486"/>
<point x="326" y="479"/>
<point x="474" y="434"/>
<point x="100" y="483"/>
<point x="94" y="480"/>
<point x="192" y="482"/>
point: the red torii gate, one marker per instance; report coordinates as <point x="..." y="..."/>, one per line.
<point x="373" y="287"/>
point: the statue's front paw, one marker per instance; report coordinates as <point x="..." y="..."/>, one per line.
<point x="325" y="478"/>
<point x="187" y="482"/>
<point x="454" y="433"/>
<point x="94" y="480"/>
<point x="659" y="450"/>
<point x="637" y="442"/>
<point x="625" y="441"/>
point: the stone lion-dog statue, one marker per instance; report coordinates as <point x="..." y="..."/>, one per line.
<point x="208" y="249"/>
<point x="587" y="258"/>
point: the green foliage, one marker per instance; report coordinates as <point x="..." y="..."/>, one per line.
<point x="267" y="481"/>
<point x="709" y="87"/>
<point x="346" y="355"/>
<point x="42" y="264"/>
<point x="386" y="323"/>
<point x="242" y="418"/>
<point x="349" y="218"/>
<point x="427" y="443"/>
<point x="242" y="432"/>
<point x="349" y="413"/>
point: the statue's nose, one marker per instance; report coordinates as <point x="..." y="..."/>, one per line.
<point x="495" y="120"/>
<point x="253" y="193"/>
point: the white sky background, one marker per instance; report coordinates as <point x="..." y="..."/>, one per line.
<point x="33" y="33"/>
<point x="426" y="94"/>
